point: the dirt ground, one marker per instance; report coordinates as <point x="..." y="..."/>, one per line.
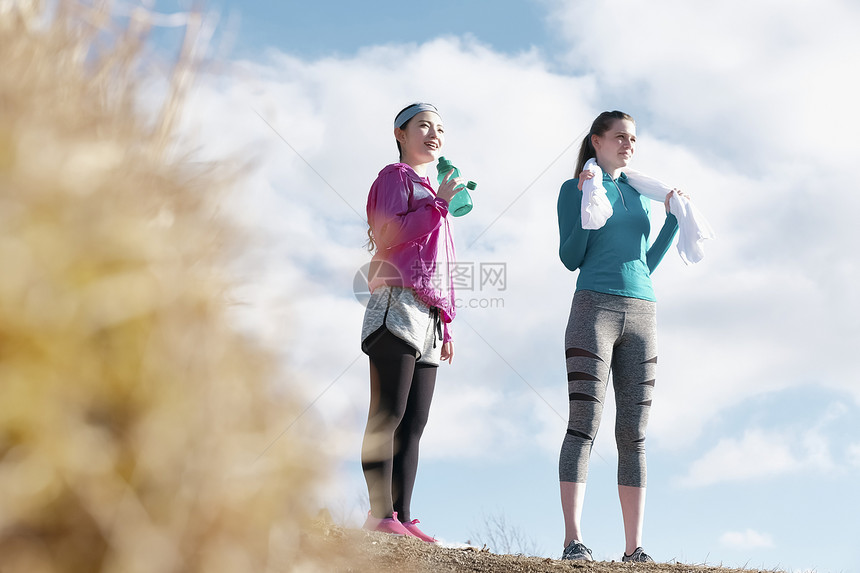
<point x="358" y="551"/>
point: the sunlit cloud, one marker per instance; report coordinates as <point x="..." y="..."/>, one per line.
<point x="740" y="127"/>
<point x="759" y="454"/>
<point x="853" y="454"/>
<point x="320" y="131"/>
<point x="747" y="539"/>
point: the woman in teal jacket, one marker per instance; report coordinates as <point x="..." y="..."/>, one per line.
<point x="612" y="326"/>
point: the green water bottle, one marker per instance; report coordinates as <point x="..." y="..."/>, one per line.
<point x="461" y="203"/>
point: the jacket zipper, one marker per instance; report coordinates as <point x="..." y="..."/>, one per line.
<point x="619" y="193"/>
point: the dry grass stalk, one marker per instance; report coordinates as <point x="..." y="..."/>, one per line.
<point x="131" y="412"/>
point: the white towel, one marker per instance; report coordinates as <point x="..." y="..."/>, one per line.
<point x="596" y="208"/>
<point x="693" y="228"/>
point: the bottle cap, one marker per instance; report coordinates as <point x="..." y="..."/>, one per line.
<point x="471" y="185"/>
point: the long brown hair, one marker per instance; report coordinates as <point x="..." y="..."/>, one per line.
<point x="599" y="126"/>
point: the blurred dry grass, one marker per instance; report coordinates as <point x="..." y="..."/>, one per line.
<point x="131" y="412"/>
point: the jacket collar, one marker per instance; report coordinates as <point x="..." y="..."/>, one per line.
<point x="606" y="177"/>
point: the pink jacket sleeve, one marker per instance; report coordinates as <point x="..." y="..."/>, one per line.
<point x="394" y="218"/>
<point x="446" y="333"/>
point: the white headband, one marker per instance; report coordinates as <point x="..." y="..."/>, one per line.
<point x="412" y="111"/>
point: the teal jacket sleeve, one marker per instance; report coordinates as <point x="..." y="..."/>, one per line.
<point x="572" y="237"/>
<point x="662" y="242"/>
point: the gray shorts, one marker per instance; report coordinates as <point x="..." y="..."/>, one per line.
<point x="398" y="310"/>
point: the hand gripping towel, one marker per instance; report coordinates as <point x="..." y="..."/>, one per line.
<point x="693" y="228"/>
<point x="596" y="208"/>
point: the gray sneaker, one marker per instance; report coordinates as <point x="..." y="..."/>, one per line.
<point x="638" y="556"/>
<point x="576" y="551"/>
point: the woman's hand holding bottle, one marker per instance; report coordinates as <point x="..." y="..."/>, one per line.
<point x="450" y="186"/>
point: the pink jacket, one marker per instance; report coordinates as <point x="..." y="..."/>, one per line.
<point x="412" y="232"/>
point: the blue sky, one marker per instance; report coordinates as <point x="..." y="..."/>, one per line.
<point x="754" y="442"/>
<point x="318" y="29"/>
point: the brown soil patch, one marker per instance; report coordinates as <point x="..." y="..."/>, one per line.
<point x="361" y="551"/>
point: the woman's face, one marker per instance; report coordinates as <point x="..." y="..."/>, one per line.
<point x="422" y="138"/>
<point x="616" y="146"/>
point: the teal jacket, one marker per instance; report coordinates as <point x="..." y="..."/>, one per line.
<point x="616" y="258"/>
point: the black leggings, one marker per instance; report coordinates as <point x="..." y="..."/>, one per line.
<point x="400" y="394"/>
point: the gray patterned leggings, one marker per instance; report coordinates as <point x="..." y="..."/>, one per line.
<point x="608" y="331"/>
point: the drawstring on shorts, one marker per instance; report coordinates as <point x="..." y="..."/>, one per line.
<point x="437" y="330"/>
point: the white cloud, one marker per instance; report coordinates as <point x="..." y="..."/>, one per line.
<point x="758" y="130"/>
<point x="749" y="539"/>
<point x="756" y="455"/>
<point x="853" y="454"/>
<point x="750" y="319"/>
<point x="759" y="454"/>
<point x="469" y="422"/>
<point x="754" y="77"/>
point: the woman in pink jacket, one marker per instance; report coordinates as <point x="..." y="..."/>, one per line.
<point x="405" y="331"/>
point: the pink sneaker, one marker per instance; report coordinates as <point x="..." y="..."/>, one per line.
<point x="387" y="525"/>
<point x="412" y="528"/>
